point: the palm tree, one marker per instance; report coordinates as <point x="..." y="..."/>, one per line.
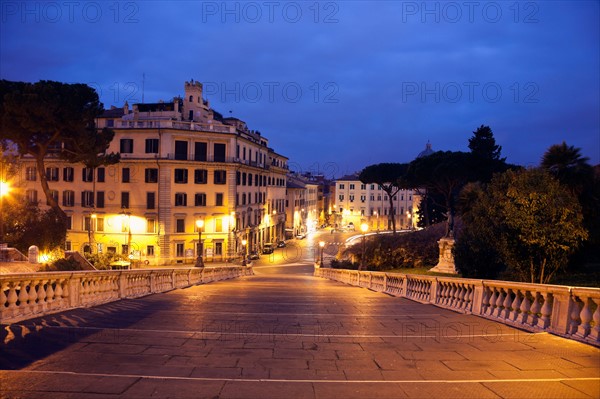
<point x="567" y="164"/>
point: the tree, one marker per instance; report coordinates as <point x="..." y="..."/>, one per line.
<point x="525" y="220"/>
<point x="390" y="176"/>
<point x="483" y="144"/>
<point x="41" y="118"/>
<point x="573" y="171"/>
<point x="443" y="173"/>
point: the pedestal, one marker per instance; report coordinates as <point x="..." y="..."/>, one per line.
<point x="446" y="261"/>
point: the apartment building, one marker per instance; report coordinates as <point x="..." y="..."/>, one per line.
<point x="185" y="172"/>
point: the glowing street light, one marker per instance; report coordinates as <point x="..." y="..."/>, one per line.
<point x="364" y="228"/>
<point x="199" y="261"/>
<point x="4" y="190"/>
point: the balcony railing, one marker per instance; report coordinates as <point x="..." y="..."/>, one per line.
<point x="170" y="124"/>
<point x="25" y="296"/>
<point x="571" y="312"/>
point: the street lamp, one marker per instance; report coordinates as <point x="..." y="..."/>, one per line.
<point x="244" y="242"/>
<point x="199" y="261"/>
<point x="364" y="228"/>
<point x="322" y="245"/>
<point x="91" y="230"/>
<point x="4" y="189"/>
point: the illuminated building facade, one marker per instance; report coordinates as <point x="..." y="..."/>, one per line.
<point x="181" y="162"/>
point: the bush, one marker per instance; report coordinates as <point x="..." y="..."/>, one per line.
<point x="62" y="265"/>
<point x="343" y="264"/>
<point x="405" y="250"/>
<point x="103" y="261"/>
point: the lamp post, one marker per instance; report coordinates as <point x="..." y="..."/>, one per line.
<point x="199" y="261"/>
<point x="363" y="227"/>
<point x="91" y="237"/>
<point x="4" y="189"/>
<point x="244" y="242"/>
<point x="321" y="245"/>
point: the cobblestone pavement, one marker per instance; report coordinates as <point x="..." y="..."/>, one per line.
<point x="286" y="336"/>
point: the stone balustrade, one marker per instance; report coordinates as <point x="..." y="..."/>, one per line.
<point x="571" y="312"/>
<point x="25" y="296"/>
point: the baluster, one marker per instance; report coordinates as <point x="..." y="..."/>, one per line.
<point x="499" y="302"/>
<point x="544" y="321"/>
<point x="50" y="294"/>
<point x="575" y="311"/>
<point x="3" y="299"/>
<point x="58" y="294"/>
<point x="506" y="304"/>
<point x="515" y="306"/>
<point x="461" y="296"/>
<point x="41" y="296"/>
<point x="524" y="309"/>
<point x="24" y="296"/>
<point x="12" y="296"/>
<point x="595" y="333"/>
<point x="485" y="300"/>
<point x="586" y="316"/>
<point x="493" y="298"/>
<point x="536" y="308"/>
<point x="471" y="293"/>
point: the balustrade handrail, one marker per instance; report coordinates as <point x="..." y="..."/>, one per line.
<point x="571" y="312"/>
<point x="27" y="295"/>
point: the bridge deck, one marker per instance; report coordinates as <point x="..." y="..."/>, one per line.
<point x="286" y="336"/>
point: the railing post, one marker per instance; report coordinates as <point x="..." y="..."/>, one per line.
<point x="173" y="279"/>
<point x="433" y="291"/>
<point x="122" y="285"/>
<point x="560" y="319"/>
<point x="405" y="287"/>
<point x="384" y="282"/>
<point x="74" y="284"/>
<point x="477" y="303"/>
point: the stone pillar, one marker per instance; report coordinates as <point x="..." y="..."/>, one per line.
<point x="446" y="261"/>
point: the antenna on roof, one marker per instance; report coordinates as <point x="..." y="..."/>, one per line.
<point x="143" y="84"/>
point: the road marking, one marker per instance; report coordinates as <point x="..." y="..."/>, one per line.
<point x="158" y="377"/>
<point x="287" y="334"/>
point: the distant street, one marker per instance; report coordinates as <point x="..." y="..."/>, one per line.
<point x="299" y="256"/>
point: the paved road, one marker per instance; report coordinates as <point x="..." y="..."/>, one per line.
<point x="286" y="336"/>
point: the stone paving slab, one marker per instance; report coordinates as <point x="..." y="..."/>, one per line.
<point x="287" y="336"/>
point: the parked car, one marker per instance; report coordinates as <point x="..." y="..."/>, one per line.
<point x="281" y="244"/>
<point x="268" y="248"/>
<point x="253" y="255"/>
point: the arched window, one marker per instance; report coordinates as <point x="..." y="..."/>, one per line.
<point x="191" y="98"/>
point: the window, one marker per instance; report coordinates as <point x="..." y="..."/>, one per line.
<point x="52" y="174"/>
<point x="218" y="248"/>
<point x="180" y="199"/>
<point x="351" y="198"/>
<point x="200" y="199"/>
<point x="124" y="199"/>
<point x="54" y="195"/>
<point x="68" y="246"/>
<point x="219" y="152"/>
<point x="200" y="176"/>
<point x="101" y="175"/>
<point x="150" y="225"/>
<point x="363" y="186"/>
<point x="363" y="198"/>
<point x="218" y="225"/>
<point x="151" y="200"/>
<point x="179" y="249"/>
<point x="30" y="173"/>
<point x="87" y="199"/>
<point x="151" y="146"/>
<point x="87" y="174"/>
<point x="180" y="225"/>
<point x="87" y="223"/>
<point x="69" y="222"/>
<point x="126" y="146"/>
<point x="181" y="176"/>
<point x="124" y="249"/>
<point x="68" y="173"/>
<point x="150" y="250"/>
<point x="99" y="224"/>
<point x="100" y="199"/>
<point x="352" y="187"/>
<point x="244" y="179"/>
<point x="68" y="198"/>
<point x="125" y="175"/>
<point x="372" y="187"/>
<point x="219" y="199"/>
<point x="220" y="177"/>
<point x="199" y="151"/>
<point x="238" y="178"/>
<point x="181" y="150"/>
<point x="244" y="199"/>
<point x="151" y="175"/>
<point x="341" y="197"/>
<point x="250" y="179"/>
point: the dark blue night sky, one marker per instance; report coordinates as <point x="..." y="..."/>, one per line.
<point x="335" y="86"/>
